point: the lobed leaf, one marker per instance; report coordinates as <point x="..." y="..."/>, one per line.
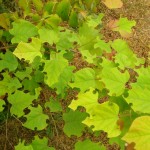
<point x="84" y="79"/>
<point x="22" y="30"/>
<point x="28" y="51"/>
<point x="73" y="122"/>
<point x="36" y="119"/>
<point x="139" y="133"/>
<point x="104" y="117"/>
<point x="114" y="80"/>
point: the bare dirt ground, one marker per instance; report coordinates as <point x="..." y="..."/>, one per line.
<point x="138" y="10"/>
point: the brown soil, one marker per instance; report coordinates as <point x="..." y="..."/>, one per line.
<point x="138" y="10"/>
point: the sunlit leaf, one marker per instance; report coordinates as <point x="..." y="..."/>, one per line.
<point x="123" y="26"/>
<point x="95" y="20"/>
<point x="84" y="79"/>
<point x="104" y="118"/>
<point x="28" y="51"/>
<point x="22" y="30"/>
<point x="87" y="100"/>
<point x="47" y="35"/>
<point x="115" y="80"/>
<point x="125" y="56"/>
<point x="143" y="79"/>
<point x="36" y="119"/>
<point x="139" y="133"/>
<point x="112" y="4"/>
<point x="139" y="98"/>
<point x="54" y="68"/>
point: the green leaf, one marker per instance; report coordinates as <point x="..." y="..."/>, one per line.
<point x="21" y="146"/>
<point x="139" y="133"/>
<point x="20" y="101"/>
<point x="73" y="19"/>
<point x="25" y="5"/>
<point x="120" y="45"/>
<point x="53" y="21"/>
<point x="143" y="79"/>
<point x="104" y="117"/>
<point x="30" y="85"/>
<point x="8" y="61"/>
<point x="37" y="144"/>
<point x="28" y="51"/>
<point x="2" y="102"/>
<point x="103" y="46"/>
<point x="54" y="68"/>
<point x="87" y="100"/>
<point x="24" y="74"/>
<point x="117" y="140"/>
<point x="63" y="9"/>
<point x="9" y="84"/>
<point x="114" y="80"/>
<point x="64" y="79"/>
<point x="47" y="35"/>
<point x="48" y="7"/>
<point x="22" y="30"/>
<point x="84" y="79"/>
<point x="95" y="20"/>
<point x="125" y="56"/>
<point x="37" y="63"/>
<point x="38" y="4"/>
<point x="88" y="144"/>
<point x="87" y="37"/>
<point x="54" y="105"/>
<point x="124" y="25"/>
<point x="38" y="76"/>
<point x="140" y="99"/>
<point x="73" y="123"/>
<point x="88" y="56"/>
<point x="108" y="64"/>
<point x="36" y="119"/>
<point x="41" y="144"/>
<point x="65" y="43"/>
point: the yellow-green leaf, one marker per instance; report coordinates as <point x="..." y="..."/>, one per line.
<point x="115" y="80"/>
<point x="139" y="133"/>
<point x="84" y="79"/>
<point x="87" y="100"/>
<point x="22" y="30"/>
<point x="104" y="118"/>
<point x="28" y="51"/>
<point x="36" y="119"/>
<point x="54" y="68"/>
<point x="112" y="4"/>
<point x="140" y="99"/>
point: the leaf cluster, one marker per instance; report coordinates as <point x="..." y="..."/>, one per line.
<point x="38" y="49"/>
